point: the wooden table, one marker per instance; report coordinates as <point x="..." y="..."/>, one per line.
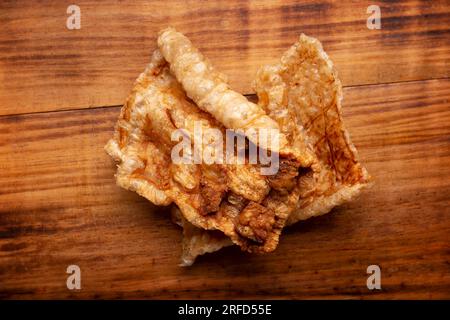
<point x="60" y="95"/>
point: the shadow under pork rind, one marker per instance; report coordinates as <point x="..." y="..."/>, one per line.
<point x="303" y="92"/>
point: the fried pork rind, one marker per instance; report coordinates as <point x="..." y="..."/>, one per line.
<point x="234" y="199"/>
<point x="304" y="83"/>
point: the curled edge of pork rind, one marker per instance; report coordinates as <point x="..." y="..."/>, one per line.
<point x="209" y="89"/>
<point x="126" y="145"/>
<point x="197" y="241"/>
<point x="324" y="187"/>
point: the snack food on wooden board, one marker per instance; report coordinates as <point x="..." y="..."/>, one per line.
<point x="222" y="203"/>
<point x="305" y="85"/>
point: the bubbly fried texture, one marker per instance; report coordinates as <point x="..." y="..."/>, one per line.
<point x="303" y="92"/>
<point x="210" y="91"/>
<point x="235" y="199"/>
<point x="207" y="87"/>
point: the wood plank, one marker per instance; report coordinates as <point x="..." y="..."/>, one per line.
<point x="59" y="206"/>
<point x="44" y="66"/>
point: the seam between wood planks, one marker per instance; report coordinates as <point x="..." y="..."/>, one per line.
<point x="246" y="95"/>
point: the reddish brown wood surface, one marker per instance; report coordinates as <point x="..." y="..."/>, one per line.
<point x="59" y="206"/>
<point x="44" y="66"/>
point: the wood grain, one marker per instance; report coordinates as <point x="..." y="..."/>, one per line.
<point x="59" y="206"/>
<point x="44" y="66"/>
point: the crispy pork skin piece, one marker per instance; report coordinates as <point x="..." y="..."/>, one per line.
<point x="305" y="83"/>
